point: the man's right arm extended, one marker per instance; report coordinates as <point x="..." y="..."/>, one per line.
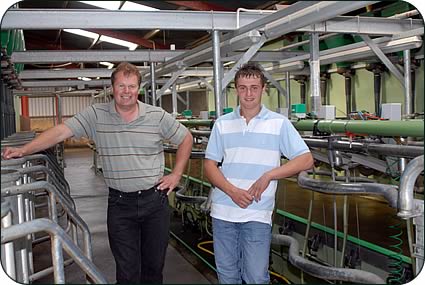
<point x="45" y="140"/>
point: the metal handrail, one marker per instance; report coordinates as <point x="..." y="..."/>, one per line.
<point x="53" y="195"/>
<point x="51" y="178"/>
<point x="62" y="241"/>
<point x="50" y="163"/>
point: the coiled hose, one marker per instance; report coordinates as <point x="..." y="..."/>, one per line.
<point x="396" y="273"/>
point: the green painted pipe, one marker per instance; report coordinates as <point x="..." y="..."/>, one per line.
<point x="411" y="128"/>
<point x="195" y="123"/>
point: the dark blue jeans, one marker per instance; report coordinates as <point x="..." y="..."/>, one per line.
<point x="138" y="231"/>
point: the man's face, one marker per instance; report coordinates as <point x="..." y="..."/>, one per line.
<point x="126" y="90"/>
<point x="249" y="91"/>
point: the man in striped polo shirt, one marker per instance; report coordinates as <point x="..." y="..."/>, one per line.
<point x="129" y="139"/>
<point x="249" y="143"/>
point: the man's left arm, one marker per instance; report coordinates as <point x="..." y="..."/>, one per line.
<point x="292" y="167"/>
<point x="184" y="150"/>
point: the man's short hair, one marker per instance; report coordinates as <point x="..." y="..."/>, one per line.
<point x="248" y="70"/>
<point x="127" y="69"/>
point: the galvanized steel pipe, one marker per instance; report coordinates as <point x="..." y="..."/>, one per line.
<point x="321" y="271"/>
<point x="389" y="192"/>
<point x="45" y="225"/>
<point x="407" y="183"/>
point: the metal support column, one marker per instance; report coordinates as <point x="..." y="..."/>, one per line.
<point x="288" y="92"/>
<point x="407" y="83"/>
<point x="174" y="99"/>
<point x="153" y="84"/>
<point x="217" y="73"/>
<point x="314" y="73"/>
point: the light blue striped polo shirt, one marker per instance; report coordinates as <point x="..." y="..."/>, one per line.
<point x="247" y="152"/>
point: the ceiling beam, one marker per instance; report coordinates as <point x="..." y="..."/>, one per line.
<point x="275" y="25"/>
<point x="364" y="25"/>
<point x="93" y="56"/>
<point x="31" y="19"/>
<point x="44" y="19"/>
<point x="56" y="56"/>
<point x="71" y="83"/>
<point x="200" y="5"/>
<point x="96" y="72"/>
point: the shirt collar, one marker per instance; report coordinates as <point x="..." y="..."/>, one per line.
<point x="142" y="108"/>
<point x="261" y="115"/>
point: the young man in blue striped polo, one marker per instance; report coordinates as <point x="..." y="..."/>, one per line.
<point x="249" y="143"/>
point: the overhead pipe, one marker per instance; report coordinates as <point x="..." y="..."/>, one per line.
<point x="389" y="192"/>
<point x="407" y="182"/>
<point x="321" y="271"/>
<point x="409" y="151"/>
<point x="411" y="128"/>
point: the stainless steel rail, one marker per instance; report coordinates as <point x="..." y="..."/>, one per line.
<point x="62" y="240"/>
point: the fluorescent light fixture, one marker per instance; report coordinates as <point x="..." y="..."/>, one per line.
<point x="115" y="5"/>
<point x="282" y="67"/>
<point x="83" y="33"/>
<point x="228" y="63"/>
<point x="131" y="6"/>
<point x="110" y="5"/>
<point x="84" y="78"/>
<point x="94" y="36"/>
<point x="107" y="64"/>
<point x="131" y="46"/>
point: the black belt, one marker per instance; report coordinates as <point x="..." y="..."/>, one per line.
<point x="135" y="194"/>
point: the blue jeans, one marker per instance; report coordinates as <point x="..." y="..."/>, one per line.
<point x="242" y="251"/>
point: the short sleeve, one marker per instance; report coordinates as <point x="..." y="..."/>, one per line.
<point x="215" y="150"/>
<point x="83" y="124"/>
<point x="171" y="129"/>
<point x="291" y="143"/>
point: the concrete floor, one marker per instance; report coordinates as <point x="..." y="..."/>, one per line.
<point x="90" y="195"/>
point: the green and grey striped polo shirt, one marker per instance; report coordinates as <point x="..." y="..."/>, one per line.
<point x="132" y="154"/>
